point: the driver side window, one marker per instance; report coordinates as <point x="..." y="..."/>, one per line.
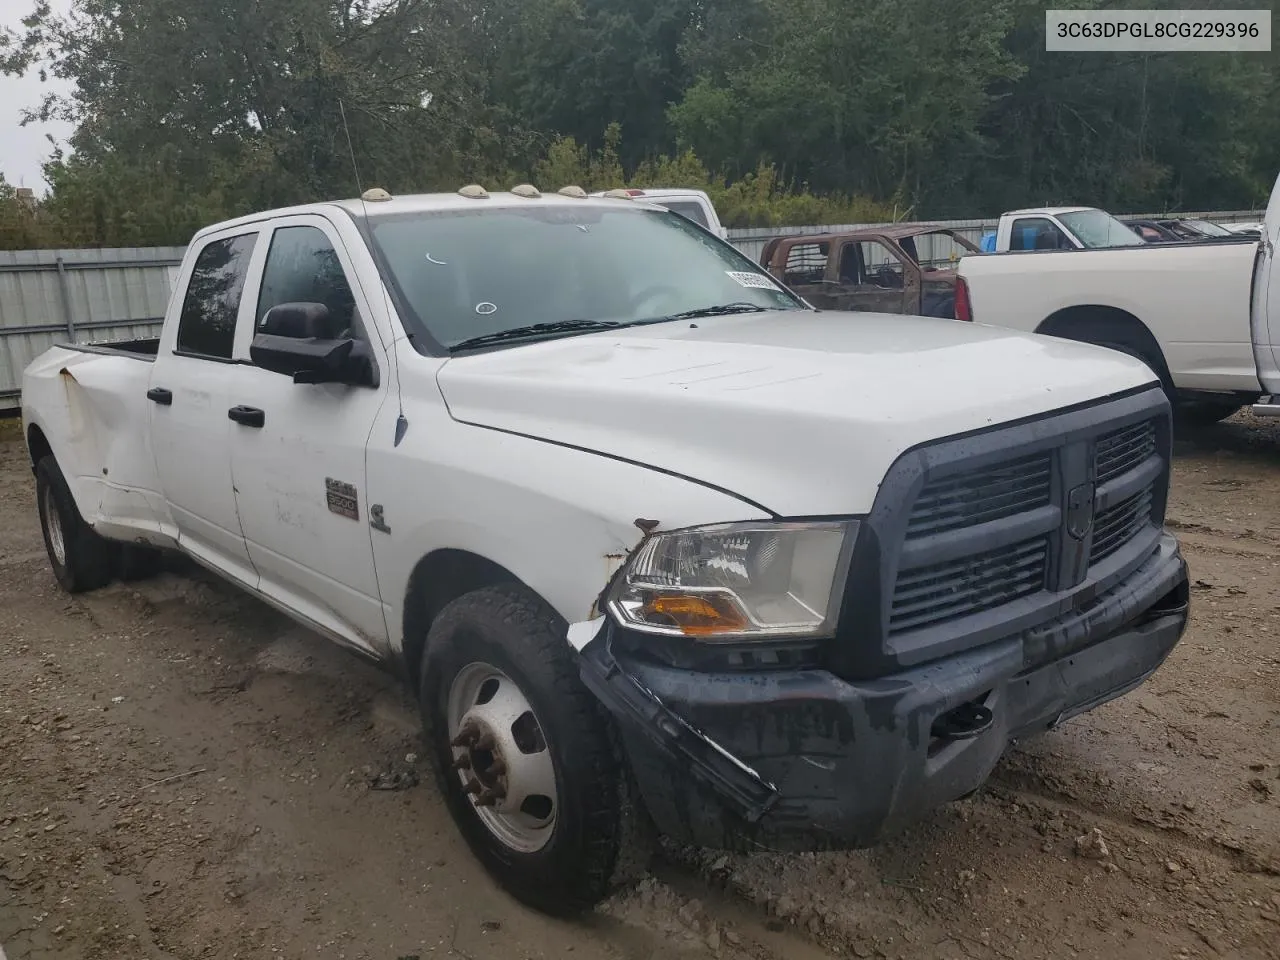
<point x="303" y="267"/>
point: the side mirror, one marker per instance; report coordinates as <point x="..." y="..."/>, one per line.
<point x="299" y="321"/>
<point x="298" y="340"/>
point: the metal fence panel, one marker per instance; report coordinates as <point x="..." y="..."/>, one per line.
<point x="52" y="296"/>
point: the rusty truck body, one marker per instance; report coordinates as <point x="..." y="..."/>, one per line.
<point x="908" y="268"/>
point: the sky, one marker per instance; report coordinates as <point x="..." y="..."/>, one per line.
<point x="24" y="149"/>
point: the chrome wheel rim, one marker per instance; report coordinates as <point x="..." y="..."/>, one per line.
<point x="502" y="758"/>
<point x="53" y="526"/>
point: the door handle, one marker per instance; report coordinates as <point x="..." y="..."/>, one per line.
<point x="248" y="416"/>
<point x="161" y="396"/>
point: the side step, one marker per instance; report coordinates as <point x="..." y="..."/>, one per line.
<point x="1267" y="407"/>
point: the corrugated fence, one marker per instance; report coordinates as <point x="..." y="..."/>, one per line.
<point x="55" y="296"/>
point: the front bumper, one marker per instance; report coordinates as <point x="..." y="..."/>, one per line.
<point x="804" y="760"/>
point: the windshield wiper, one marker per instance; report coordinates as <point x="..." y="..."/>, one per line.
<point x="719" y="310"/>
<point x="536" y="330"/>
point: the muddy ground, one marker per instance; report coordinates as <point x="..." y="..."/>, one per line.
<point x="184" y="774"/>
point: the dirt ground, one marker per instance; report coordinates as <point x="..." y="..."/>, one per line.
<point x="184" y="774"/>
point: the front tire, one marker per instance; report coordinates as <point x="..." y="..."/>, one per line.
<point x="524" y="754"/>
<point x="81" y="560"/>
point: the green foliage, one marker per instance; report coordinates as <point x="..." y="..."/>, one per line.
<point x="783" y="111"/>
<point x="759" y="198"/>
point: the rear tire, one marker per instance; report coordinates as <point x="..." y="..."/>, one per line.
<point x="81" y="560"/>
<point x="525" y="756"/>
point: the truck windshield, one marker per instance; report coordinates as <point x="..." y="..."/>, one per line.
<point x="472" y="273"/>
<point x="1095" y="228"/>
<point x="1207" y="229"/>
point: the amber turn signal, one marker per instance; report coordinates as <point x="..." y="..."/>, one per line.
<point x="696" y="615"/>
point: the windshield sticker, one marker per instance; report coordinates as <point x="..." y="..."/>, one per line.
<point x="485" y="308"/>
<point x="442" y="263"/>
<point x="754" y="281"/>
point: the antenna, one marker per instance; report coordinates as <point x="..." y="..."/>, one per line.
<point x="402" y="424"/>
<point x="351" y="148"/>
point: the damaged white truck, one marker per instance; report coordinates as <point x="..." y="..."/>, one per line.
<point x="653" y="542"/>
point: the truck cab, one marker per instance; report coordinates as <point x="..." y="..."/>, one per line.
<point x="1062" y="228"/>
<point x="909" y="269"/>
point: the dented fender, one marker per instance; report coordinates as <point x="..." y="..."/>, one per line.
<point x="92" y="409"/>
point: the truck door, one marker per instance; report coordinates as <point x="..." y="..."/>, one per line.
<point x="872" y="278"/>
<point x="298" y="451"/>
<point x="189" y="390"/>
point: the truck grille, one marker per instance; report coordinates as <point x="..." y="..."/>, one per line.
<point x="1120" y="451"/>
<point x="939" y="592"/>
<point x="993" y="494"/>
<point x="999" y="539"/>
<point x="1116" y="526"/>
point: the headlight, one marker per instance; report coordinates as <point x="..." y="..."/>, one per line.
<point x="737" y="581"/>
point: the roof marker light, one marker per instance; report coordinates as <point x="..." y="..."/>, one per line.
<point x="573" y="191"/>
<point x="526" y="190"/>
<point x="473" y="191"/>
<point x="375" y="195"/>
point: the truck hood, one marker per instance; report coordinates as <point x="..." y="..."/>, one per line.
<point x="800" y="413"/>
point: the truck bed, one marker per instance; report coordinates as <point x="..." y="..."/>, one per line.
<point x="1193" y="297"/>
<point x="94" y="414"/>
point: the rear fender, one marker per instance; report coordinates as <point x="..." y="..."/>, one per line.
<point x="93" y="412"/>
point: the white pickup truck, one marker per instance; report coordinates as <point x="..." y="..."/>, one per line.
<point x="691" y="204"/>
<point x="653" y="542"/>
<point x="1062" y="228"/>
<point x="1182" y="308"/>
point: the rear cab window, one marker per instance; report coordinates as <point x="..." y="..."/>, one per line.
<point x="207" y="324"/>
<point x="806" y="263"/>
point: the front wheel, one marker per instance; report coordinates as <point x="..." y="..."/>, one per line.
<point x="81" y="560"/>
<point x="524" y="754"/>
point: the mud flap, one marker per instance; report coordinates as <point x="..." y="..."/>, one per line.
<point x="733" y="782"/>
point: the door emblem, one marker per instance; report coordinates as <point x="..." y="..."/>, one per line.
<point x="342" y="498"/>
<point x="1080" y="511"/>
<point x="375" y="518"/>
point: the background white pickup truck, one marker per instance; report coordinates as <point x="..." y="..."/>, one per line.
<point x="1061" y="228"/>
<point x="1182" y="308"/>
<point x="691" y="204"/>
<point x="647" y="537"/>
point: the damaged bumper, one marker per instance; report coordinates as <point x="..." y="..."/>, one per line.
<point x="804" y="760"/>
